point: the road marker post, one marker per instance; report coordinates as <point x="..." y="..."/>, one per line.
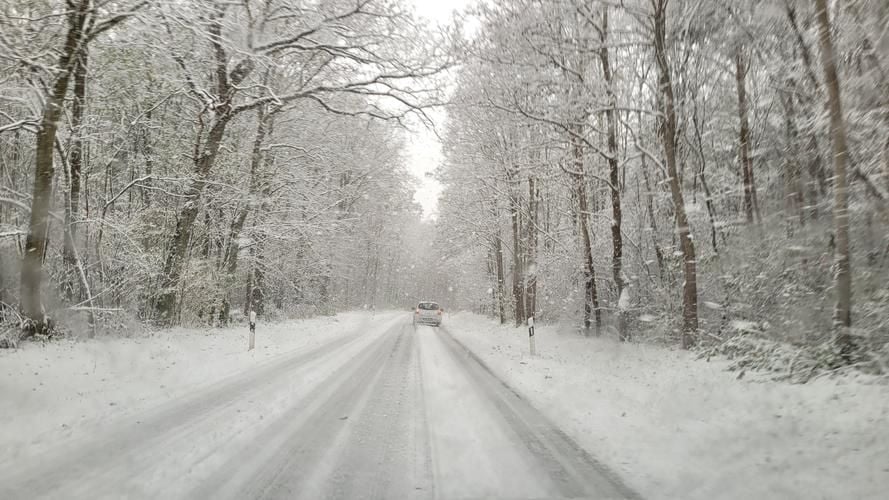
<point x="251" y="319"/>
<point x="531" y="335"/>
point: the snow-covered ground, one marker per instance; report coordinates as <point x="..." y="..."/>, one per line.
<point x="676" y="427"/>
<point x="330" y="394"/>
<point x="376" y="410"/>
<point x="50" y="391"/>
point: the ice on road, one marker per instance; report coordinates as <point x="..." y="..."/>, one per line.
<point x="387" y="411"/>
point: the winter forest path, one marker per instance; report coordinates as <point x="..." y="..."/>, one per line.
<point x="386" y="412"/>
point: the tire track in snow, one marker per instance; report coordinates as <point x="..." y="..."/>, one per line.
<point x="575" y="471"/>
<point x="131" y="458"/>
<point x="386" y="453"/>
<point x="347" y="441"/>
<point x="355" y="417"/>
<point x="286" y="452"/>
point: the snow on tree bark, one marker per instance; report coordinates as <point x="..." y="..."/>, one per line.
<point x="843" y="274"/>
<point x="668" y="136"/>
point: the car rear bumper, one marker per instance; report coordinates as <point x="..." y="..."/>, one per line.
<point x="427" y="321"/>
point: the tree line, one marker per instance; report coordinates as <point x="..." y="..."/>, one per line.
<point x="676" y="169"/>
<point x="178" y="161"/>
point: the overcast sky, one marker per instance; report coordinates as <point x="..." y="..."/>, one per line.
<point x="425" y="149"/>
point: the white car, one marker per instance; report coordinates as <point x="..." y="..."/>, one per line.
<point x="428" y="313"/>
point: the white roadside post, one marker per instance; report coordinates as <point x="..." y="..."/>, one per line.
<point x="251" y="318"/>
<point x="531" y="336"/>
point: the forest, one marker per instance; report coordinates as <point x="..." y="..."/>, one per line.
<point x="175" y="162"/>
<point x="709" y="175"/>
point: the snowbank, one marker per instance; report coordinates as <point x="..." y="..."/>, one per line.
<point x="676" y="427"/>
<point x="49" y="391"/>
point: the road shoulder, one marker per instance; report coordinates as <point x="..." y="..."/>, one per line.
<point x="677" y="427"/>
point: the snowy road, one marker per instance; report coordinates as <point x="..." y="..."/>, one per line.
<point x="384" y="412"/>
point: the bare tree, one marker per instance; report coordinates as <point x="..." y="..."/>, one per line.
<point x="383" y="77"/>
<point x="613" y="174"/>
<point x="751" y="207"/>
<point x="668" y="136"/>
<point x="591" y="308"/>
<point x="83" y="24"/>
<point x="842" y="317"/>
<point x="73" y="173"/>
<point x="518" y="267"/>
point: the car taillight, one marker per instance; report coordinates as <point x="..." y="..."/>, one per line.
<point x="439" y="312"/>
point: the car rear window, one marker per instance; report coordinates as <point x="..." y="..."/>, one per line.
<point x="428" y="306"/>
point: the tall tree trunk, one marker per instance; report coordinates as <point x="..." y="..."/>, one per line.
<point x="38" y="226"/>
<point x="613" y="178"/>
<point x="668" y="135"/>
<point x="205" y="154"/>
<point x="229" y="262"/>
<point x="842" y="318"/>
<point x="259" y="295"/>
<point x="817" y="183"/>
<point x="518" y="288"/>
<point x="708" y="196"/>
<point x="652" y="221"/>
<point x="498" y="256"/>
<point x="147" y="150"/>
<point x="492" y="274"/>
<point x="248" y="296"/>
<point x="793" y="188"/>
<point x="173" y="263"/>
<point x="531" y="260"/>
<point x="256" y="276"/>
<point x="75" y="166"/>
<point x="744" y="136"/>
<point x="649" y="205"/>
<point x="591" y="298"/>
